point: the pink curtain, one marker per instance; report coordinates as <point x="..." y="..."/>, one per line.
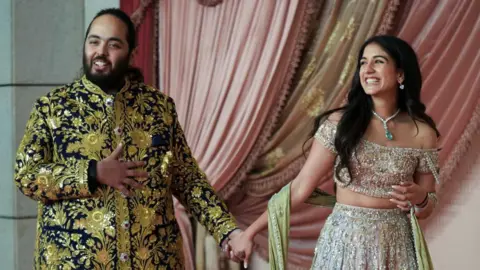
<point x="446" y="37"/>
<point x="343" y="27"/>
<point x="142" y="13"/>
<point x="213" y="60"/>
<point x="225" y="67"/>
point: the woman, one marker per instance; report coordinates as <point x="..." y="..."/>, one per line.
<point x="382" y="148"/>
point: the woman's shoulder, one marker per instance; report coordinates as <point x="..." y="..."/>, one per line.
<point x="427" y="135"/>
<point x="335" y="117"/>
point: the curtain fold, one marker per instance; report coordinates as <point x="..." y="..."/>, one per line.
<point x="215" y="60"/>
<point x="325" y="75"/>
<point x="142" y="13"/>
<point x="445" y="34"/>
<point x="227" y="64"/>
<point x="228" y="68"/>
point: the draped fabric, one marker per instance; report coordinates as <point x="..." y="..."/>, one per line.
<point x="224" y="66"/>
<point x="343" y="27"/>
<point x="142" y="13"/>
<point x="228" y="67"/>
<point x="326" y="73"/>
<point x="445" y="35"/>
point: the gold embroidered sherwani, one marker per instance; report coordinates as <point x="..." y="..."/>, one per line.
<point x="80" y="227"/>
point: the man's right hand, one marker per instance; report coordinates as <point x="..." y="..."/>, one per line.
<point x="118" y="174"/>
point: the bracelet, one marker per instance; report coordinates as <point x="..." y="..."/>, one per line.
<point x="420" y="207"/>
<point x="424" y="202"/>
<point x="418" y="210"/>
<point x="433" y="197"/>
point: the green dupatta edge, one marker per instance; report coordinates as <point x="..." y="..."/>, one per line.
<point x="279" y="226"/>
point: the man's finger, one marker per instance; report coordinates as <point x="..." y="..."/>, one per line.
<point x="132" y="183"/>
<point x="125" y="191"/>
<point x="117" y="153"/>
<point x="234" y="258"/>
<point x="226" y="250"/>
<point x="240" y="255"/>
<point x="135" y="164"/>
<point x="136" y="173"/>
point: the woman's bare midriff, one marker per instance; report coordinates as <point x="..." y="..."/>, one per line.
<point x="348" y="197"/>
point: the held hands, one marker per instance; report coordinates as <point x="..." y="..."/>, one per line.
<point x="239" y="247"/>
<point x="407" y="195"/>
<point x="118" y="174"/>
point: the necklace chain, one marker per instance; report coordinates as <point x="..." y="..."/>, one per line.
<point x="388" y="134"/>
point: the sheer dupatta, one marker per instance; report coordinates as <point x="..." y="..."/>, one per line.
<point x="279" y="224"/>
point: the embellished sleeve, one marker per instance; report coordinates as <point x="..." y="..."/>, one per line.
<point x="37" y="174"/>
<point x="326" y="135"/>
<point x="428" y="163"/>
<point x="191" y="187"/>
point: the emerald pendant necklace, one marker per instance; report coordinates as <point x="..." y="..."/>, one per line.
<point x="388" y="134"/>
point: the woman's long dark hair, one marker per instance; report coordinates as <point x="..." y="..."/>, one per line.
<point x="357" y="112"/>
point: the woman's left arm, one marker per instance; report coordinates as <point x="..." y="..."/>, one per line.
<point x="418" y="194"/>
<point x="421" y="192"/>
<point x="426" y="186"/>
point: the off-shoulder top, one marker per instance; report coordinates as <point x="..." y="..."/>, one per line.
<point x="375" y="168"/>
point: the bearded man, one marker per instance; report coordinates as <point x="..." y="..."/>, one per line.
<point x="103" y="157"/>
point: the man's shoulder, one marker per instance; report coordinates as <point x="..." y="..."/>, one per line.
<point x="160" y="94"/>
<point x="58" y="92"/>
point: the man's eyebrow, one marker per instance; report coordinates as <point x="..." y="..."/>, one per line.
<point x="110" y="39"/>
<point x="115" y="39"/>
<point x="93" y="36"/>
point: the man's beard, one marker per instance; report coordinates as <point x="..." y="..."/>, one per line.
<point x="112" y="80"/>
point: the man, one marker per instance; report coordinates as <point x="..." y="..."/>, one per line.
<point x="103" y="156"/>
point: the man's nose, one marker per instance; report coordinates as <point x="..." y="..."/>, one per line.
<point x="103" y="49"/>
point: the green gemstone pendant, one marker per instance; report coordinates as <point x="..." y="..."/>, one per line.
<point x="389" y="135"/>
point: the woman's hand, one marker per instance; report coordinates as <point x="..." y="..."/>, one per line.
<point x="406" y="195"/>
<point x="242" y="246"/>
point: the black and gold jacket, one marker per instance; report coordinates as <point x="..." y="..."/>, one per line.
<point x="83" y="228"/>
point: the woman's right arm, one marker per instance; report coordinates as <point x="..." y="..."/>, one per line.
<point x="319" y="162"/>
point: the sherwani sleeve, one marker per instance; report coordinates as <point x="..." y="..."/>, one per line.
<point x="37" y="175"/>
<point x="191" y="187"/>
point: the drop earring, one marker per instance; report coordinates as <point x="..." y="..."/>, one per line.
<point x="402" y="86"/>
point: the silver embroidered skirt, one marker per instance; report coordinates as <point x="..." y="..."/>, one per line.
<point x="365" y="238"/>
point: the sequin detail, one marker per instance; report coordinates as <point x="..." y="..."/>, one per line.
<point x="365" y="238"/>
<point x="375" y="168"/>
